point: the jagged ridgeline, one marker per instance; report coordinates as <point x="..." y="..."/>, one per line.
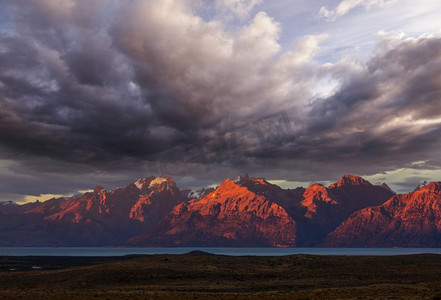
<point x="244" y="212"/>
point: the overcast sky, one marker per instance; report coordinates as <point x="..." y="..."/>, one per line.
<point x="107" y="91"/>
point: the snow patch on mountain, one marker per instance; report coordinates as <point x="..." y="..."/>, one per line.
<point x="198" y="194"/>
<point x="422" y="184"/>
<point x="158" y="181"/>
<point x="8" y="203"/>
<point x="194" y="194"/>
<point x="139" y="183"/>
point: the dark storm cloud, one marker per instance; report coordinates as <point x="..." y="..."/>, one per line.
<point x="67" y="94"/>
<point x="148" y="86"/>
<point x="76" y="87"/>
<point x="388" y="110"/>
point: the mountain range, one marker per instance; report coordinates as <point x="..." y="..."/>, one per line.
<point x="241" y="212"/>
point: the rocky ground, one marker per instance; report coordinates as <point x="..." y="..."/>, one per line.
<point x="200" y="276"/>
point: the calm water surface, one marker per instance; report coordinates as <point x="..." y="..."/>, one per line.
<point x="102" y="251"/>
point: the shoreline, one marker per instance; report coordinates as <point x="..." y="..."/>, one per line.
<point x="232" y="251"/>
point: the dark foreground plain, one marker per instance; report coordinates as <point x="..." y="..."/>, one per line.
<point x="199" y="275"/>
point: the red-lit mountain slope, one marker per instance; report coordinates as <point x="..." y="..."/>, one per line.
<point x="232" y="215"/>
<point x="407" y="220"/>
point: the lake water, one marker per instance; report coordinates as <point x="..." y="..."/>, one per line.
<point x="102" y="251"/>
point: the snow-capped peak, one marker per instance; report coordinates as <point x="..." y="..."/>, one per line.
<point x="6" y="203"/>
<point x="157" y="181"/>
<point x="162" y="183"/>
<point x="143" y="183"/>
<point x="240" y="179"/>
<point x="139" y="183"/>
<point x="422" y="184"/>
<point x="198" y="194"/>
<point x="194" y="194"/>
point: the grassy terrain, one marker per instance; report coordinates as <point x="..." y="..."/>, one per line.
<point x="198" y="276"/>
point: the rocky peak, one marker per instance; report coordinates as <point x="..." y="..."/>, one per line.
<point x="7" y="207"/>
<point x="197" y="194"/>
<point x="242" y="179"/>
<point x="231" y="215"/>
<point x="227" y="186"/>
<point x="257" y="185"/>
<point x="143" y="183"/>
<point x="422" y="184"/>
<point x="8" y="203"/>
<point x="247" y="180"/>
<point x="98" y="189"/>
<point x="317" y="192"/>
<point x="162" y="183"/>
<point x="314" y="195"/>
<point x="433" y="187"/>
<point x="385" y="186"/>
<point x="351" y="180"/>
<point x="405" y="220"/>
<point x="244" y="184"/>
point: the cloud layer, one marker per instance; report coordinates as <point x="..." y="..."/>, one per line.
<point x="346" y="6"/>
<point x="102" y="87"/>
